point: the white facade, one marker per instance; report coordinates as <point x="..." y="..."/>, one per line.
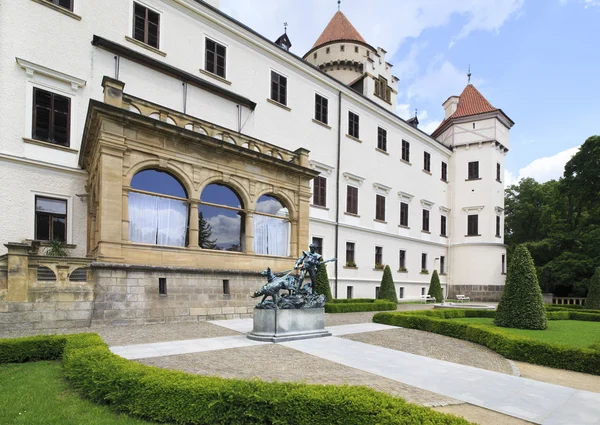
<point x="65" y="61"/>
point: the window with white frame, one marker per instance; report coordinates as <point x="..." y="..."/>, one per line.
<point x="278" y="88"/>
<point x="51" y="117"/>
<point x="215" y="58"/>
<point x="146" y="25"/>
<point x="50" y="219"/>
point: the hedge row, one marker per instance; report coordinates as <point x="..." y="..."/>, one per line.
<point x="352" y="300"/>
<point x="511" y="346"/>
<point x="168" y="396"/>
<point x="376" y="305"/>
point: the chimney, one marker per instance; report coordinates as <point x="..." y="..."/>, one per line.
<point x="450" y="105"/>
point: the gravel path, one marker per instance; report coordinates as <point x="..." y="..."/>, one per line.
<point x="482" y="416"/>
<point x="288" y="365"/>
<point x="332" y="319"/>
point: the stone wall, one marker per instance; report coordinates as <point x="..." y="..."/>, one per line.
<point x="477" y="292"/>
<point x="129" y="295"/>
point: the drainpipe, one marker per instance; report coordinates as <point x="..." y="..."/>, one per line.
<point x="337" y="191"/>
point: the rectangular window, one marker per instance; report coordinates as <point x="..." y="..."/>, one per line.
<point x="215" y="58"/>
<point x="378" y="256"/>
<point x="503" y="263"/>
<point x="67" y="4"/>
<point x="498" y="226"/>
<point x="380" y="208"/>
<point x="381" y="139"/>
<point x="427" y="161"/>
<point x="318" y="243"/>
<point x="278" y="88"/>
<point x="423" y="290"/>
<point x="443" y="222"/>
<point x="377" y="292"/>
<point x="442" y="265"/>
<point x="146" y="25"/>
<point x="473" y="170"/>
<point x="405" y="151"/>
<point x="349" y="292"/>
<point x="50" y="219"/>
<point x="403" y="214"/>
<point x="401" y="290"/>
<point x="382" y="89"/>
<point x="423" y="262"/>
<point x="320" y="191"/>
<point x="498" y="172"/>
<point x="226" y="290"/>
<point x="321" y="105"/>
<point x="444" y="171"/>
<point x="425" y="227"/>
<point x="402" y="262"/>
<point x="350" y="254"/>
<point x="473" y="225"/>
<point x="352" y="200"/>
<point x="51" y="117"/>
<point x="353" y="124"/>
<point x="162" y="286"/>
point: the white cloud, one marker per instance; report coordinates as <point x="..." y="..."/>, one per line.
<point x="403" y="110"/>
<point x="430" y="126"/>
<point x="225" y="229"/>
<point x="437" y="84"/>
<point x="269" y="206"/>
<point x="543" y="169"/>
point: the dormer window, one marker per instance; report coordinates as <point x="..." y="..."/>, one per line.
<point x="382" y="89"/>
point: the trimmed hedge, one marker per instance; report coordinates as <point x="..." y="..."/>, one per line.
<point x="322" y="284"/>
<point x="387" y="290"/>
<point x="375" y="305"/>
<point x="352" y="300"/>
<point x="168" y="396"/>
<point x="510" y="346"/>
<point x="593" y="297"/>
<point x="435" y="288"/>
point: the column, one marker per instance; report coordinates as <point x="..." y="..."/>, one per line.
<point x="249" y="239"/>
<point x="193" y="235"/>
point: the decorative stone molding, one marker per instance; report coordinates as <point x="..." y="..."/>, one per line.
<point x="445" y="210"/>
<point x="476" y="208"/>
<point x="353" y="178"/>
<point x="322" y="168"/>
<point x="381" y="188"/>
<point x="32" y="68"/>
<point x="499" y="210"/>
<point x="405" y="196"/>
<point x="427" y="204"/>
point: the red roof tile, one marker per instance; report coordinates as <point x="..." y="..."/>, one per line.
<point x="339" y="28"/>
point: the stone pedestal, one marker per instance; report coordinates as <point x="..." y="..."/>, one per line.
<point x="272" y="325"/>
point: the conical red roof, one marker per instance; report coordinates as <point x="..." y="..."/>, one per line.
<point x="339" y="28"/>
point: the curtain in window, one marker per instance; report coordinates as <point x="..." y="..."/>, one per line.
<point x="271" y="235"/>
<point x="157" y="220"/>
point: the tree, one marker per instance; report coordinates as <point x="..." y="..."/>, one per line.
<point x="593" y="298"/>
<point x="205" y="233"/>
<point x="435" y="288"/>
<point x="387" y="290"/>
<point x="322" y="285"/>
<point x="522" y="305"/>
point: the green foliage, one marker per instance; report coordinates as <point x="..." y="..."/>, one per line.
<point x="351" y="300"/>
<point x="322" y="286"/>
<point x="511" y="346"/>
<point x="593" y="298"/>
<point x="375" y="305"/>
<point x="435" y="288"/>
<point x="522" y="304"/>
<point x="205" y="233"/>
<point x="387" y="290"/>
<point x="56" y="249"/>
<point x="169" y="396"/>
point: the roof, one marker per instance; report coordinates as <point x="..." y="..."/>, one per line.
<point x="339" y="28"/>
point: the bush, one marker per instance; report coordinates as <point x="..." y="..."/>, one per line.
<point x="387" y="290"/>
<point x="522" y="304"/>
<point x="352" y="300"/>
<point x="168" y="396"/>
<point x="375" y="305"/>
<point x="435" y="288"/>
<point x="322" y="285"/>
<point x="593" y="297"/>
<point x="514" y="347"/>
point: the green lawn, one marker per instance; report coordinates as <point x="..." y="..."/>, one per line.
<point x="35" y="393"/>
<point x="568" y="332"/>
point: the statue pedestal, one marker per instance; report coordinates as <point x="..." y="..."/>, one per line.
<point x="271" y="325"/>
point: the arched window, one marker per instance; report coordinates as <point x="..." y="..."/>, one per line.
<point x="158" y="209"/>
<point x="271" y="227"/>
<point x="221" y="223"/>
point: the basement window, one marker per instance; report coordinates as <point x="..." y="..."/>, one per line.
<point x="226" y="290"/>
<point x="162" y="286"/>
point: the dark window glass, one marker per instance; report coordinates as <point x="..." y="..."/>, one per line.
<point x="425" y="221"/>
<point x="146" y="24"/>
<point x="377" y="292"/>
<point x="498" y="172"/>
<point x="50" y="219"/>
<point x="473" y="170"/>
<point x="226" y="290"/>
<point x="503" y="263"/>
<point x="353" y="124"/>
<point x="318" y="243"/>
<point x="442" y="264"/>
<point x="427" y="161"/>
<point x="402" y="259"/>
<point x="162" y="286"/>
<point x="352" y="200"/>
<point x="403" y="214"/>
<point x="378" y="255"/>
<point x="405" y="151"/>
<point x="320" y="191"/>
<point x="215" y="58"/>
<point x="321" y="108"/>
<point x="472" y="225"/>
<point x="349" y="292"/>
<point x="443" y="225"/>
<point x="498" y="225"/>
<point x="422" y="291"/>
<point x="67" y="4"/>
<point x="423" y="261"/>
<point x="278" y="88"/>
<point x="221" y="219"/>
<point x="401" y="292"/>
<point x="381" y="139"/>
<point x="444" y="171"/>
<point x="51" y="117"/>
<point x="380" y="207"/>
<point x="350" y="254"/>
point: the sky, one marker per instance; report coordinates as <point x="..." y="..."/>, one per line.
<point x="537" y="60"/>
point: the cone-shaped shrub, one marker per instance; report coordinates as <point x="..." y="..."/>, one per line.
<point x="593" y="297"/>
<point x="435" y="288"/>
<point x="322" y="285"/>
<point x="387" y="290"/>
<point x="522" y="304"/>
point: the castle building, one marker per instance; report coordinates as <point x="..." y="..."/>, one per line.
<point x="175" y="153"/>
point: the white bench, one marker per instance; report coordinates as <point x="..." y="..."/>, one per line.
<point x="426" y="298"/>
<point x="462" y="298"/>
